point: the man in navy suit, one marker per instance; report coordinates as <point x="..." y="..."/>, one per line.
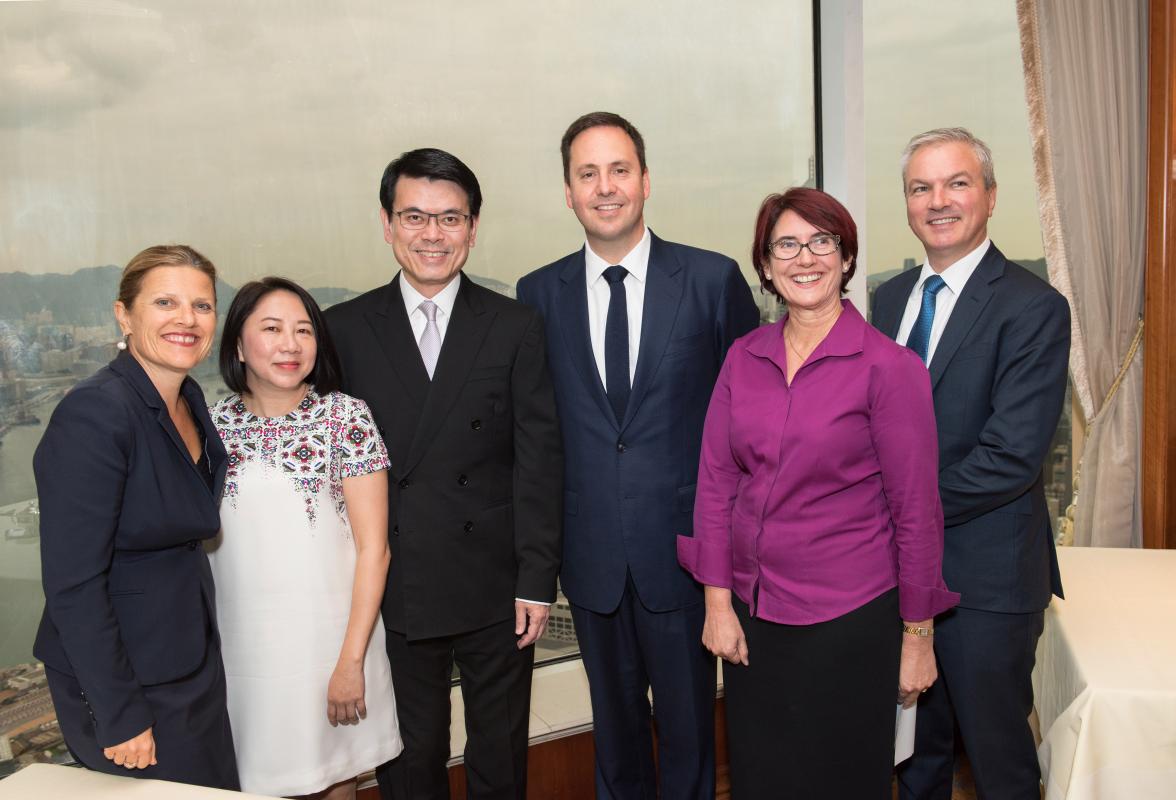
<point x="997" y="340"/>
<point x="637" y="329"/>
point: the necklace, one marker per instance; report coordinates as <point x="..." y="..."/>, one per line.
<point x="792" y="345"/>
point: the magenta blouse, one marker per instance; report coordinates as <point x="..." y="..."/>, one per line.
<point x="815" y="498"/>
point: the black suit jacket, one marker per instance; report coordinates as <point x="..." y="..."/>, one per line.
<point x="477" y="463"/>
<point x="999" y="379"/>
<point x="129" y="599"/>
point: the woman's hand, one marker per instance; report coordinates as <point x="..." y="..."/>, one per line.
<point x="721" y="632"/>
<point x="136" y="753"/>
<point x="345" y="704"/>
<point x="916" y="666"/>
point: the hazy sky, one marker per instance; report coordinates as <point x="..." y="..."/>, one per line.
<point x="930" y="65"/>
<point x="258" y="131"/>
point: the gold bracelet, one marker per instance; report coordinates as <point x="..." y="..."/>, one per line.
<point x="915" y="631"/>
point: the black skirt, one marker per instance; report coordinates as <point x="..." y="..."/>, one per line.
<point x="812" y="715"/>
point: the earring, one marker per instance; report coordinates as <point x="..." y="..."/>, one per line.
<point x="121" y="344"/>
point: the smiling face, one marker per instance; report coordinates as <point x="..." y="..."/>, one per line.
<point x="606" y="189"/>
<point x="277" y="345"/>
<point x="171" y="321"/>
<point x="948" y="205"/>
<point x="429" y="256"/>
<point x="807" y="283"/>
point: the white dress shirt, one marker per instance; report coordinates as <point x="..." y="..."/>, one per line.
<point x="444" y="301"/>
<point x="637" y="264"/>
<point x="955" y="277"/>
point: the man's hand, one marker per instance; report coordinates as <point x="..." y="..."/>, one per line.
<point x="136" y="753"/>
<point x="530" y="621"/>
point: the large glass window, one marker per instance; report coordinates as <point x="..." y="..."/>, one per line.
<point x="952" y="63"/>
<point x="258" y="134"/>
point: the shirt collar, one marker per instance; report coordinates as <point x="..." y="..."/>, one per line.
<point x="636" y="261"/>
<point x="444" y="298"/>
<point x="843" y="339"/>
<point x="956" y="275"/>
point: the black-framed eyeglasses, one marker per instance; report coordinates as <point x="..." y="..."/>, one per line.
<point x="413" y="220"/>
<point x="823" y="244"/>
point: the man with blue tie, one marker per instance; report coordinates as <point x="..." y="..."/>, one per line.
<point x="637" y="330"/>
<point x="996" y="340"/>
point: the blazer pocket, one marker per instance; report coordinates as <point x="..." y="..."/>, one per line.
<point x="489" y="373"/>
<point x="971" y="350"/>
<point x="687" y="345"/>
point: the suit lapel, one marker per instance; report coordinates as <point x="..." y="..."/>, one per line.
<point x="392" y="330"/>
<point x="663" y="296"/>
<point x="131" y="371"/>
<point x="573" y="316"/>
<point x="218" y="460"/>
<point x="464" y="335"/>
<point x="888" y="315"/>
<point x="977" y="292"/>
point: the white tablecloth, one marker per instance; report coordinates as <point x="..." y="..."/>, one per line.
<point x="1105" y="681"/>
<point x="51" y="782"/>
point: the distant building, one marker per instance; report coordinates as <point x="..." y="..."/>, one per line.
<point x="559" y="624"/>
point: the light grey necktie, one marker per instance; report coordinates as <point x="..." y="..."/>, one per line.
<point x="431" y="337"/>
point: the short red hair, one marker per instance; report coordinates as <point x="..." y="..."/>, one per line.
<point x="817" y="208"/>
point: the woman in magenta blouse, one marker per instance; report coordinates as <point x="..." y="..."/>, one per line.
<point x="818" y="532"/>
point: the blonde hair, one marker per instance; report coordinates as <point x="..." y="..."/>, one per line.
<point x="164" y="255"/>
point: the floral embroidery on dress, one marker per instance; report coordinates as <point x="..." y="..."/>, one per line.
<point x="321" y="442"/>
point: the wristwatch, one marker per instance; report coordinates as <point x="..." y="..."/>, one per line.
<point x="916" y="631"/>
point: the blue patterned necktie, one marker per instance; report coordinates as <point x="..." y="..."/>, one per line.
<point x="920" y="336"/>
<point x="616" y="343"/>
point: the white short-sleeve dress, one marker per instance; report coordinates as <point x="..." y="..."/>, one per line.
<point x="284" y="565"/>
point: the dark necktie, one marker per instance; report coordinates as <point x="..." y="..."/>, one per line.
<point x="920" y="336"/>
<point x="616" y="343"/>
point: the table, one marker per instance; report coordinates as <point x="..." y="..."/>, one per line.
<point x="52" y="782"/>
<point x="1105" y="681"/>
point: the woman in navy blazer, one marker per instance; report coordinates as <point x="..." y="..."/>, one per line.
<point x="129" y="473"/>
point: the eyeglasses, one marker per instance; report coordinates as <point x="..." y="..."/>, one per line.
<point x="822" y="244"/>
<point x="413" y="220"/>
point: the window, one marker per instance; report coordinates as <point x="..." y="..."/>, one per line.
<point x="947" y="64"/>
<point x="260" y="138"/>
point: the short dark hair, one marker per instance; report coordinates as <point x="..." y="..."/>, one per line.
<point x="326" y="376"/>
<point x="434" y="164"/>
<point x="817" y="208"/>
<point x="599" y="119"/>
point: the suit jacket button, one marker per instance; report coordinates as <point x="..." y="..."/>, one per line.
<point x="396" y="530"/>
<point x="620" y="447"/>
<point x="462" y="480"/>
<point x="476" y="424"/>
<point x="403" y="483"/>
<point x="192" y="545"/>
<point x="469" y="526"/>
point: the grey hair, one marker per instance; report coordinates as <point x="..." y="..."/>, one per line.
<point x="945" y="136"/>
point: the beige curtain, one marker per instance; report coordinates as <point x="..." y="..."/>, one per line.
<point x="1086" y="84"/>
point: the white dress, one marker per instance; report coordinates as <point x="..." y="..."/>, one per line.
<point x="284" y="565"/>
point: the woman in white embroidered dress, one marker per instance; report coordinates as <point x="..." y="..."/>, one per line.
<point x="302" y="557"/>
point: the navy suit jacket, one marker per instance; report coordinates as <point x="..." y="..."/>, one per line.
<point x="629" y="487"/>
<point x="998" y="377"/>
<point x="129" y="599"/>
